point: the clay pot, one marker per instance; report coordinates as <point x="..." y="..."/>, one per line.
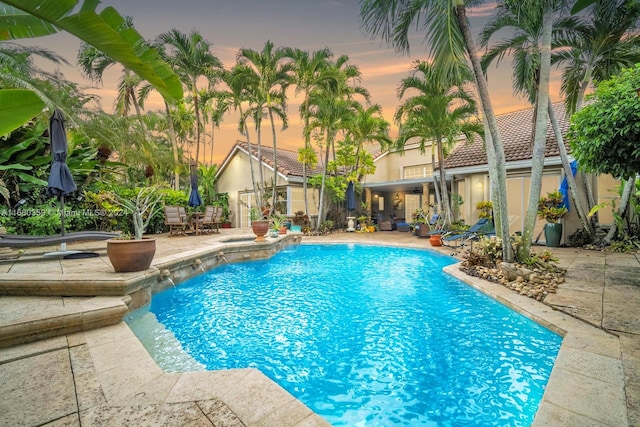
<point x="260" y="228"/>
<point x="435" y="239"/>
<point x="131" y="255"/>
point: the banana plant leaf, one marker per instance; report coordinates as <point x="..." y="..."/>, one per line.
<point x="17" y="106"/>
<point x="105" y="31"/>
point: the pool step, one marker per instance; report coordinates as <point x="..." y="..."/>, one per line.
<point x="28" y="319"/>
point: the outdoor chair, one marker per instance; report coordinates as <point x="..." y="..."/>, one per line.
<point x="176" y="220"/>
<point x="217" y="219"/>
<point x="207" y="221"/>
<point x="384" y="224"/>
<point x="484" y="227"/>
<point x="435" y="226"/>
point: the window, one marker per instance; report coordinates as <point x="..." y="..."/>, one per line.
<point x="419" y="171"/>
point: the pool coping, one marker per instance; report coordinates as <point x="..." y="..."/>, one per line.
<point x="588" y="366"/>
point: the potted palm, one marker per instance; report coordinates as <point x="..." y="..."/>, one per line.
<point x="275" y="223"/>
<point x="551" y="209"/>
<point x="278" y="223"/>
<point x="259" y="224"/>
<point x="135" y="254"/>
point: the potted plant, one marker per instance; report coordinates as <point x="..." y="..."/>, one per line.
<point x="277" y="223"/>
<point x="363" y="221"/>
<point x="299" y="220"/>
<point x="484" y="208"/>
<point x="259" y="224"/>
<point x="551" y="209"/>
<point x="127" y="254"/>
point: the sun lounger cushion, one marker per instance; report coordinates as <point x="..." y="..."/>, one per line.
<point x="25" y="241"/>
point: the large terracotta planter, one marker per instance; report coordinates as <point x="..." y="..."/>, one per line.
<point x="435" y="240"/>
<point x="131" y="255"/>
<point x="260" y="228"/>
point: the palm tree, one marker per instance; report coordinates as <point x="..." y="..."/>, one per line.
<point x="191" y="58"/>
<point x="601" y="47"/>
<point x="604" y="45"/>
<point x="367" y="126"/>
<point x="530" y="45"/>
<point x="19" y="70"/>
<point x="442" y="109"/>
<point x="330" y="114"/>
<point x="270" y="97"/>
<point x="451" y="43"/>
<point x="93" y="63"/>
<point x="240" y="81"/>
<point x="308" y="73"/>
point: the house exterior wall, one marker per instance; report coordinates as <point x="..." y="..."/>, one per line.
<point x="236" y="181"/>
<point x="607" y="192"/>
<point x="391" y="166"/>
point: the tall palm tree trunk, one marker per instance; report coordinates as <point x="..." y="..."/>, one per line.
<point x="494" y="143"/>
<point x="436" y="185"/>
<point x="274" y="197"/>
<point x="261" y="184"/>
<point x="174" y="147"/>
<point x="586" y="177"/>
<point x="307" y="144"/>
<point x="324" y="175"/>
<point x="251" y="168"/>
<point x="196" y="109"/>
<point x="541" y="124"/>
<point x="443" y="183"/>
<point x="573" y="188"/>
<point x="624" y="201"/>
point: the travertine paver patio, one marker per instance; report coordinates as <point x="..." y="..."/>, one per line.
<point x="105" y="377"/>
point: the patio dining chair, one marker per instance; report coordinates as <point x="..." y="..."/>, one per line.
<point x="176" y="220"/>
<point x="217" y="219"/>
<point x="207" y="221"/>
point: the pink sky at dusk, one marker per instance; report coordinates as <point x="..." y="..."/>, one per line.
<point x="304" y="24"/>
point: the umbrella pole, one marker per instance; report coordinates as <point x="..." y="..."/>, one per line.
<point x="63" y="245"/>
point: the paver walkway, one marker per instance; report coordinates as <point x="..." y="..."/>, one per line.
<point x="105" y="377"/>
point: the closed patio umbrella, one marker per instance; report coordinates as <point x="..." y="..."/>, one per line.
<point x="351" y="197"/>
<point x="60" y="181"/>
<point x="194" y="196"/>
<point x="350" y="205"/>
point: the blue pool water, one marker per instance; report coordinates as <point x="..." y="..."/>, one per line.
<point x="363" y="335"/>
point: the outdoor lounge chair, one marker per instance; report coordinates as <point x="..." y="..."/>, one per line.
<point x="384" y="224"/>
<point x="484" y="227"/>
<point x="24" y="241"/>
<point x="176" y="220"/>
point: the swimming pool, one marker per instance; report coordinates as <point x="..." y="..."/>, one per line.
<point x="363" y="335"/>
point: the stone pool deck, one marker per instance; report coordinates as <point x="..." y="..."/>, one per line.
<point x="103" y="375"/>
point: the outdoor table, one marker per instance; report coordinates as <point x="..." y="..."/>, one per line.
<point x="194" y="222"/>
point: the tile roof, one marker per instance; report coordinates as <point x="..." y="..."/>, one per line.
<point x="516" y="129"/>
<point x="288" y="164"/>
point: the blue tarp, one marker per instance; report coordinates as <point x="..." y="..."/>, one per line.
<point x="564" y="186"/>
